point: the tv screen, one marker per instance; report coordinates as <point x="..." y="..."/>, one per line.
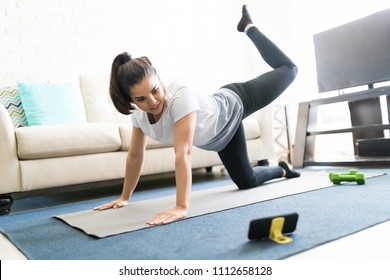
<point x="354" y="54"/>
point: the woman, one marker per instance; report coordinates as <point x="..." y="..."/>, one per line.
<point x="173" y="115"/>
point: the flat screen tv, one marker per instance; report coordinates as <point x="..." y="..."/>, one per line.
<point x="354" y="54"/>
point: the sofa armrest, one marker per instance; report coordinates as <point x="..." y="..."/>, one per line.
<point x="265" y="121"/>
<point x="9" y="162"/>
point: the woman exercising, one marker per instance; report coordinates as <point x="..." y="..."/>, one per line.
<point x="175" y="116"/>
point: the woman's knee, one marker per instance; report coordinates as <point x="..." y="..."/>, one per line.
<point x="245" y="183"/>
<point x="292" y="70"/>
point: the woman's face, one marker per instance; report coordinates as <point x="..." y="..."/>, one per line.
<point x="149" y="96"/>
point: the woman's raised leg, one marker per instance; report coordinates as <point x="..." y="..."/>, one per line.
<point x="262" y="90"/>
<point x="256" y="94"/>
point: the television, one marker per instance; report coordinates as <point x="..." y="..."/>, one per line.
<point x="354" y="54"/>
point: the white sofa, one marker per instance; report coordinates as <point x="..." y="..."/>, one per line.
<point x="40" y="157"/>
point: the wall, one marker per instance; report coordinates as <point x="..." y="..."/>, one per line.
<point x="188" y="41"/>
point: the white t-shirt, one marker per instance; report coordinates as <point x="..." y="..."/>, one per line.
<point x="217" y="117"/>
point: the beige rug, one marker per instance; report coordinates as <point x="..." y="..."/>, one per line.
<point x="134" y="216"/>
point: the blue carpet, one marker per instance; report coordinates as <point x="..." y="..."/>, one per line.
<point x="324" y="215"/>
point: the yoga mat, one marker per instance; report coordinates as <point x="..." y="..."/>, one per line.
<point x="324" y="215"/>
<point x="134" y="216"/>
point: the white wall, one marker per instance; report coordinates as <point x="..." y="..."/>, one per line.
<point x="190" y="41"/>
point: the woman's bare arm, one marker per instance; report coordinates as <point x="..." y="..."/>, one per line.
<point x="183" y="140"/>
<point x="134" y="162"/>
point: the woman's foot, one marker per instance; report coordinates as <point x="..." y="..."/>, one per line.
<point x="288" y="173"/>
<point x="245" y="20"/>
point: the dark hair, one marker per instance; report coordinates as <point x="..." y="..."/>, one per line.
<point x="125" y="73"/>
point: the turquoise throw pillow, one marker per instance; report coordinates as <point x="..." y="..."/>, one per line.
<point x="50" y="103"/>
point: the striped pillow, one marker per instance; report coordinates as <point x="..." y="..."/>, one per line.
<point x="10" y="99"/>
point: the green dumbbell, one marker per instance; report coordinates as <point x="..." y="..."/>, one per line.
<point x="351" y="176"/>
<point x="350" y="172"/>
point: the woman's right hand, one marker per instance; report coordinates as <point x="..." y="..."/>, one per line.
<point x="113" y="204"/>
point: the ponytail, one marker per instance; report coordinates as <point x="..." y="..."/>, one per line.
<point x="125" y="73"/>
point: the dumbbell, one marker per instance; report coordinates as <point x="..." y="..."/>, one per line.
<point x="351" y="176"/>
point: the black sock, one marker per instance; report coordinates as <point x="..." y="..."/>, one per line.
<point x="289" y="173"/>
<point x="245" y="20"/>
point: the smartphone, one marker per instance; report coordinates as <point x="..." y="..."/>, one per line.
<point x="260" y="228"/>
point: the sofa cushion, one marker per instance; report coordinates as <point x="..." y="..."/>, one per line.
<point x="98" y="105"/>
<point x="52" y="103"/>
<point x="38" y="142"/>
<point x="10" y="98"/>
<point x="96" y="98"/>
<point x="251" y="128"/>
<point x="125" y="131"/>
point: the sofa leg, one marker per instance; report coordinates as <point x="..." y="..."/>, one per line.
<point x="263" y="162"/>
<point x="5" y="204"/>
<point x="209" y="169"/>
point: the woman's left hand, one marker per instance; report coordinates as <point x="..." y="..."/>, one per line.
<point x="168" y="216"/>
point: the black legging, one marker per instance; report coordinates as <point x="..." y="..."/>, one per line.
<point x="256" y="94"/>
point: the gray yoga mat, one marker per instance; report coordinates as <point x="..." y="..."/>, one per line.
<point x="134" y="216"/>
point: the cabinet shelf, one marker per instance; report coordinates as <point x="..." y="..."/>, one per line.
<point x="362" y="128"/>
<point x="306" y="132"/>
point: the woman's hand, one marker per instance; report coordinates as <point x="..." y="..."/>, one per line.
<point x="168" y="216"/>
<point x="114" y="204"/>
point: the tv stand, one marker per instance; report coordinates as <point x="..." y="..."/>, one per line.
<point x="303" y="153"/>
